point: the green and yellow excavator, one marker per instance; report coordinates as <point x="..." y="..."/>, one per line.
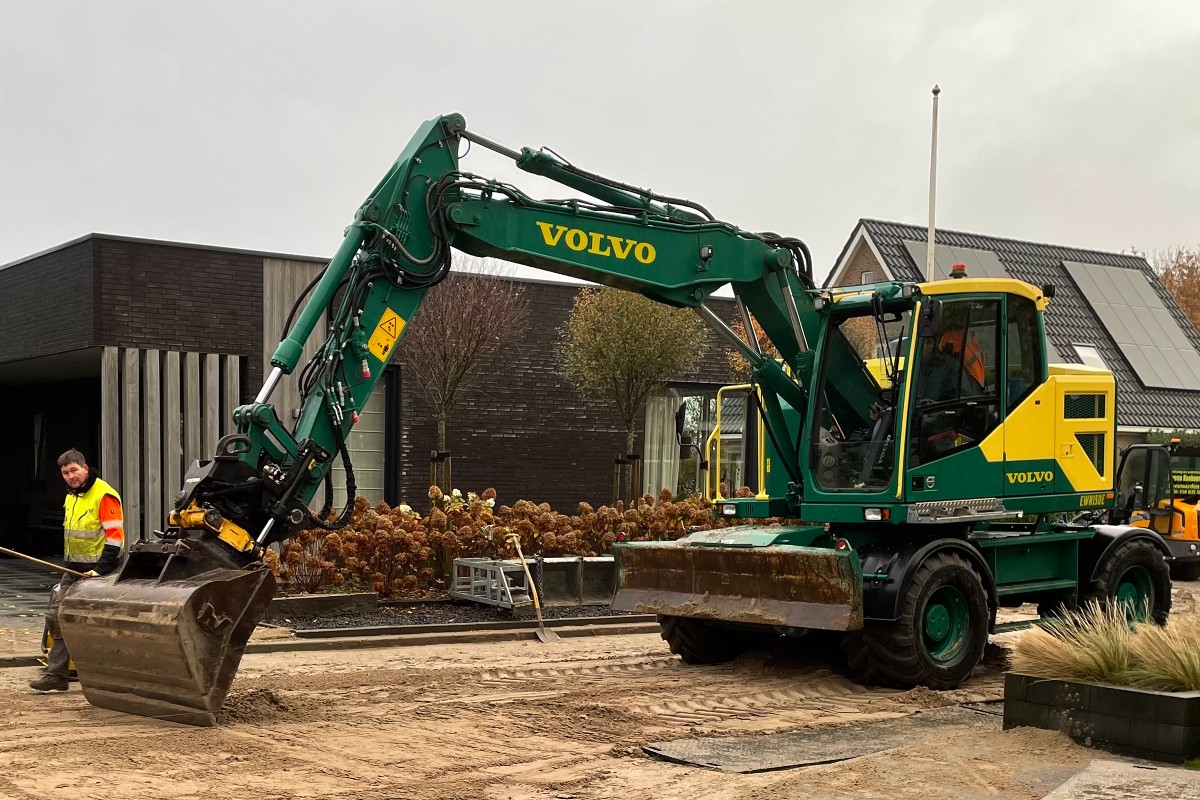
<point x="925" y="491"/>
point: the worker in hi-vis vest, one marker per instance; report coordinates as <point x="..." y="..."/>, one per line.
<point x="93" y="540"/>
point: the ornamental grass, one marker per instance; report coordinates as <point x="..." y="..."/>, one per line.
<point x="1098" y="644"/>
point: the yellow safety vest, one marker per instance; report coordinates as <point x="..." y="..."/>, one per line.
<point x="83" y="535"/>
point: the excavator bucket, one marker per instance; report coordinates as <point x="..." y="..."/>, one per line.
<point x="163" y="647"/>
<point x="741" y="578"/>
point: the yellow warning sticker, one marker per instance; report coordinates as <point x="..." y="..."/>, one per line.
<point x="386" y="333"/>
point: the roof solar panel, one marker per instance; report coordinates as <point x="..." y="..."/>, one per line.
<point x="1134" y="315"/>
<point x="989" y="264"/>
<point x="979" y="263"/>
<point x="966" y="257"/>
<point x="917" y="251"/>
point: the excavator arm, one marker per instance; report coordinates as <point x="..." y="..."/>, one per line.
<point x="164" y="636"/>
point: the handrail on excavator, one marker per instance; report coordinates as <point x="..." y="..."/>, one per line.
<point x="712" y="447"/>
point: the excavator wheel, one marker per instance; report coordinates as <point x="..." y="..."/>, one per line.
<point x="1185" y="570"/>
<point x="699" y="642"/>
<point x="1134" y="573"/>
<point x="940" y="635"/>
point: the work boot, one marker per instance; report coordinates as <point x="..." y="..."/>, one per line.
<point x="50" y="683"/>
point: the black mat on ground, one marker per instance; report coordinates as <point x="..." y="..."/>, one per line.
<point x="987" y="707"/>
<point x="765" y="753"/>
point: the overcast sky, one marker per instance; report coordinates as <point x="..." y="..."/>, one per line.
<point x="262" y="125"/>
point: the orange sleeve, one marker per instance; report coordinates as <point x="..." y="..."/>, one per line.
<point x="113" y="520"/>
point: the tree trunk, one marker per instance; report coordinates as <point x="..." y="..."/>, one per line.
<point x="630" y="489"/>
<point x="439" y="470"/>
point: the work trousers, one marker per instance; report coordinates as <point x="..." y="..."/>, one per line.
<point x="59" y="659"/>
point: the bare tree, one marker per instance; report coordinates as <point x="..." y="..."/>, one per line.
<point x="620" y="347"/>
<point x="463" y="321"/>
<point x="1179" y="269"/>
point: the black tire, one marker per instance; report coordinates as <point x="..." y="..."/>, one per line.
<point x="906" y="652"/>
<point x="1052" y="608"/>
<point x="699" y="642"/>
<point x="1131" y="561"/>
<point x="1185" y="570"/>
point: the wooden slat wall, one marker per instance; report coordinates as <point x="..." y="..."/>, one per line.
<point x="191" y="409"/>
<point x="131" y="444"/>
<point x="160" y="412"/>
<point x="231" y="392"/>
<point x="152" y="455"/>
<point x="110" y="413"/>
<point x="172" y="431"/>
<point x="210" y="419"/>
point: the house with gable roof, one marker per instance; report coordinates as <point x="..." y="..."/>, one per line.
<point x="1109" y="310"/>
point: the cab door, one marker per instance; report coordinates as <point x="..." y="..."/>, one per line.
<point x="955" y="404"/>
<point x="1030" y="404"/>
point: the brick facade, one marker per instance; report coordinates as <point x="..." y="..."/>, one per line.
<point x="47" y="303"/>
<point x="176" y="297"/>
<point x="864" y="262"/>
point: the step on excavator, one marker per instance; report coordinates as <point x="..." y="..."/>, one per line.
<point x="926" y="493"/>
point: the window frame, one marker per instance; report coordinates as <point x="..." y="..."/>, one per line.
<point x="1037" y="332"/>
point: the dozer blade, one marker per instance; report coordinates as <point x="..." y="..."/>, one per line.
<point x="166" y="649"/>
<point x="777" y="586"/>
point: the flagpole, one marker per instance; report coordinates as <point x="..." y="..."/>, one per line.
<point x="929" y="256"/>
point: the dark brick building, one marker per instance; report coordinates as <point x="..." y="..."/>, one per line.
<point x="525" y="431"/>
<point x="137" y="351"/>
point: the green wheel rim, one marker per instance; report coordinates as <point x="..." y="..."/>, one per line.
<point x="945" y="623"/>
<point x="1135" y="591"/>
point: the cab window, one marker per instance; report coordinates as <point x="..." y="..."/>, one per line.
<point x="956" y="401"/>
<point x="1023" y="372"/>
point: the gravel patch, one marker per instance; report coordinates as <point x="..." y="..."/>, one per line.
<point x="433" y="614"/>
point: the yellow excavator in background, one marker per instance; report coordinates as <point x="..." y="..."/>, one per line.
<point x="1158" y="487"/>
